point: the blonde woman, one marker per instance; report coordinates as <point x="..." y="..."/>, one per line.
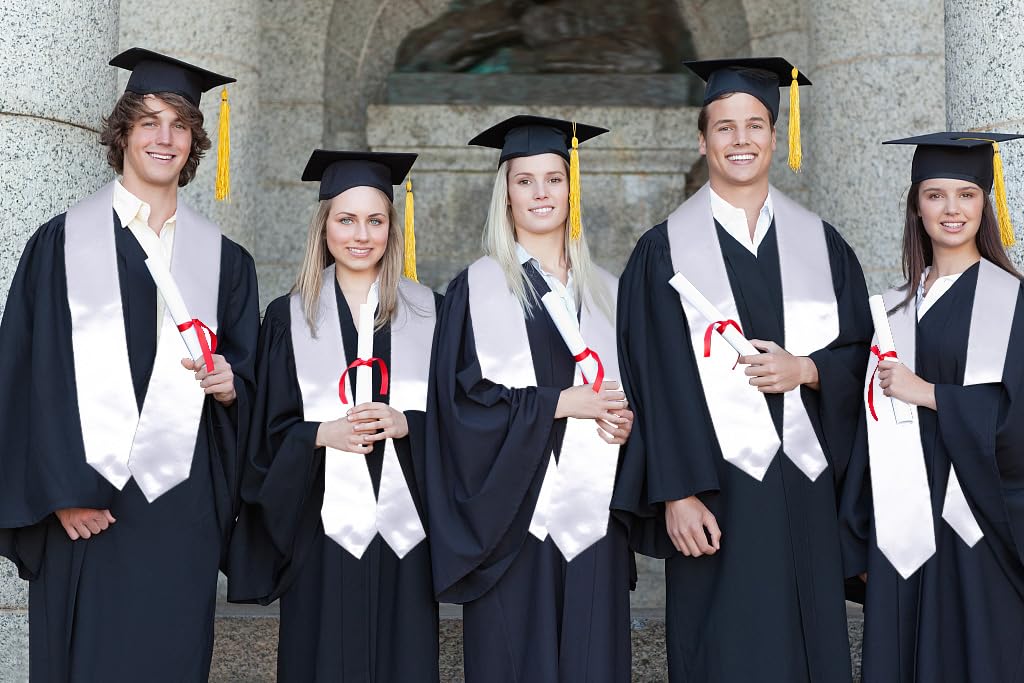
<point x="331" y="522"/>
<point x="522" y="445"/>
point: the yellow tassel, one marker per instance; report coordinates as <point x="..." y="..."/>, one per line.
<point x="410" y="234"/>
<point x="222" y="187"/>
<point x="796" y="154"/>
<point x="575" y="206"/>
<point x="1002" y="205"/>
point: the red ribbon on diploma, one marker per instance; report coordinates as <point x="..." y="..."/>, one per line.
<point x="871" y="385"/>
<point x="359" y="362"/>
<point x="583" y="355"/>
<point x="208" y="348"/>
<point x="719" y="327"/>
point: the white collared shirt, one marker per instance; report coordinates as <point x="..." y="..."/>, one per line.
<point x="565" y="292"/>
<point x="134" y="215"/>
<point x="734" y="220"/>
<point x="935" y="292"/>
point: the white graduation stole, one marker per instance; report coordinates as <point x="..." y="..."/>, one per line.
<point x="350" y="513"/>
<point x="156" y="447"/>
<point x="576" y="492"/>
<point x="899" y="481"/>
<point x="739" y="412"/>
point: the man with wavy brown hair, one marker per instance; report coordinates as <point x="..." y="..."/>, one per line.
<point x="124" y="402"/>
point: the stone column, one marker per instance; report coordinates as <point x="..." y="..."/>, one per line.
<point x="56" y="88"/>
<point x="984" y="90"/>
<point x="222" y="37"/>
<point x="878" y="74"/>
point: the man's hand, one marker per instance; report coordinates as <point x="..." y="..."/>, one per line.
<point x="220" y="383"/>
<point x="616" y="429"/>
<point x="84" y="522"/>
<point x="776" y="370"/>
<point x="686" y="521"/>
<point x="378" y="421"/>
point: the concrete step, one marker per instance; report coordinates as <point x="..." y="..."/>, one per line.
<point x="246" y="644"/>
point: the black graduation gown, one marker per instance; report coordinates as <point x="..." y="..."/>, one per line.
<point x="769" y="606"/>
<point x="137" y="601"/>
<point x="345" y="620"/>
<point x="961" y="616"/>
<point x="529" y="616"/>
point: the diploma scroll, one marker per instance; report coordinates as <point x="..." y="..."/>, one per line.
<point x="713" y="315"/>
<point x="570" y="332"/>
<point x="903" y="412"/>
<point x="168" y="289"/>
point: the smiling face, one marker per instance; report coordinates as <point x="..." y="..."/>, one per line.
<point x="739" y="140"/>
<point x="951" y="211"/>
<point x="357" y="229"/>
<point x="538" y="193"/>
<point x="157" y="146"/>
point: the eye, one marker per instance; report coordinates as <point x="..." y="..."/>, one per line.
<point x="556" y="179"/>
<point x="345" y="221"/>
<point x="179" y="126"/>
<point x="724" y="129"/>
<point x="967" y="195"/>
<point x="935" y="195"/>
<point x="756" y="125"/>
<point x="524" y="181"/>
<point x="376" y="221"/>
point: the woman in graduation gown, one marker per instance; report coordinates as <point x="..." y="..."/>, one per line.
<point x="754" y="573"/>
<point x="944" y="496"/>
<point x="331" y="521"/>
<point x="520" y="460"/>
<point x="128" y="591"/>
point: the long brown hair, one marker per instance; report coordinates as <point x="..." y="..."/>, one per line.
<point x="318" y="257"/>
<point x="132" y="107"/>
<point x="917" y="246"/>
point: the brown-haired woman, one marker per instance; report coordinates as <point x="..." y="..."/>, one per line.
<point x="939" y="493"/>
<point x="331" y="522"/>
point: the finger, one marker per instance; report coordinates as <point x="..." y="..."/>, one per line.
<point x="225" y="388"/>
<point x="759" y="370"/>
<point x="71" y="531"/>
<point x="763" y="381"/>
<point x="691" y="544"/>
<point x="110" y="517"/>
<point x="380" y="436"/>
<point x="368" y="426"/>
<point x="605" y="436"/>
<point x="756" y="359"/>
<point x="679" y="542"/>
<point x="188" y="364"/>
<point x="93" y="525"/>
<point x="83" y="531"/>
<point x="766" y="346"/>
<point x="716" y="533"/>
<point x="702" y="541"/>
<point x="610" y="384"/>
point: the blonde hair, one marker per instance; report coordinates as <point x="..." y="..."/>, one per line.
<point x="499" y="242"/>
<point x="317" y="257"/>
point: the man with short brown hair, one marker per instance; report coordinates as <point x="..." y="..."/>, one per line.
<point x="128" y="341"/>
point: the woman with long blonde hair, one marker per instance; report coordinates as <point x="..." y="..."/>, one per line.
<point x="525" y="417"/>
<point x="331" y="520"/>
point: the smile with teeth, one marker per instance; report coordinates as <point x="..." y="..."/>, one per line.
<point x="950" y="225"/>
<point x="740" y="157"/>
<point x="160" y="157"/>
<point x="542" y="210"/>
<point x="359" y="251"/>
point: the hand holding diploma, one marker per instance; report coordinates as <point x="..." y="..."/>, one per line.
<point x="886" y="354"/>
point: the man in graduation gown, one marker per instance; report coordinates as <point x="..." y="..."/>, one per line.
<point x="118" y="478"/>
<point x="734" y="488"/>
<point x="937" y="504"/>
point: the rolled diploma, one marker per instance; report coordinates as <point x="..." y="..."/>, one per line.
<point x="364" y="350"/>
<point x="570" y="331"/>
<point x="903" y="412"/>
<point x="713" y="315"/>
<point x="175" y="305"/>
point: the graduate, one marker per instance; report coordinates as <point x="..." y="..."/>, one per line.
<point x="940" y="504"/>
<point x="522" y="445"/>
<point x="332" y="521"/>
<point x="124" y="407"/>
<point x="732" y="469"/>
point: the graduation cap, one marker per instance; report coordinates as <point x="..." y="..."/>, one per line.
<point x="760" y="77"/>
<point x="973" y="157"/>
<point x="154" y="73"/>
<point x="527" y="136"/>
<point x="338" y="171"/>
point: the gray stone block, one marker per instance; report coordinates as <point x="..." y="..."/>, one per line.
<point x="13" y="591"/>
<point x="13" y="646"/>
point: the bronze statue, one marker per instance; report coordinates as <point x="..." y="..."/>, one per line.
<point x="550" y="36"/>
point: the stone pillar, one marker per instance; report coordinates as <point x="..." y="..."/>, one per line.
<point x="55" y="91"/>
<point x="984" y="91"/>
<point x="878" y="74"/>
<point x="222" y="37"/>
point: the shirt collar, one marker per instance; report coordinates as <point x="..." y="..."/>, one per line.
<point x="129" y="207"/>
<point x="721" y="207"/>
<point x="523" y="255"/>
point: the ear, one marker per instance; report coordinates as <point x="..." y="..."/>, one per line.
<point x="702" y="144"/>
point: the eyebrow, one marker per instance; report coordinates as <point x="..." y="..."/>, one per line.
<point x="752" y="118"/>
<point x="969" y="188"/>
<point x="355" y="215"/>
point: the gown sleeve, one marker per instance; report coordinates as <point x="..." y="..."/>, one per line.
<point x="486" y="444"/>
<point x="672" y="451"/>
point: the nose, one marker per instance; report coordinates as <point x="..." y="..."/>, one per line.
<point x="362" y="233"/>
<point x="164" y="134"/>
<point x="540" y="190"/>
<point x="952" y="206"/>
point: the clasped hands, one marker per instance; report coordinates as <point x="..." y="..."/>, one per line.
<point x="361" y="427"/>
<point x="607" y="407"/>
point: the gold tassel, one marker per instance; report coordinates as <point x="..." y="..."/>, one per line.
<point x="575" y="206"/>
<point x="222" y="187"/>
<point x="410" y="235"/>
<point x="796" y="154"/>
<point x="1002" y="205"/>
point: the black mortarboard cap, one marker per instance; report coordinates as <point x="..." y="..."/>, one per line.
<point x="527" y="136"/>
<point x="340" y="171"/>
<point x="760" y="77"/>
<point x="156" y="73"/>
<point x="963" y="156"/>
